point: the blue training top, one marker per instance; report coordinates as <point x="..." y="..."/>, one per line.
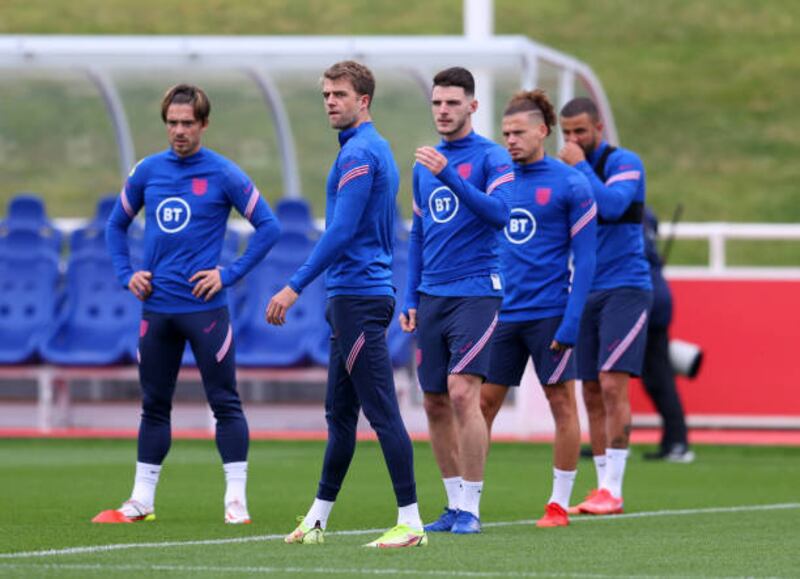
<point x="357" y="245"/>
<point x="457" y="216"/>
<point x="620" y="210"/>
<point x="187" y="202"/>
<point x="552" y="212"/>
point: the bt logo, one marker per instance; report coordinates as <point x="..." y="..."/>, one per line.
<point x="173" y="214"/>
<point x="521" y="226"/>
<point x="443" y="204"/>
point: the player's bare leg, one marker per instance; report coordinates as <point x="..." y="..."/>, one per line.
<point x="566" y="450"/>
<point x="442" y="430"/>
<point x="566" y="446"/>
<point x="596" y="412"/>
<point x="444" y="442"/>
<point x="465" y="393"/>
<point x="492" y="398"/>
<point x="614" y="386"/>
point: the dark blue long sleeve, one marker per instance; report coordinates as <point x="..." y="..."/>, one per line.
<point x="351" y="200"/>
<point x="490" y="208"/>
<point x="117" y="244"/>
<point x="414" y="262"/>
<point x="361" y="196"/>
<point x="618" y="192"/>
<point x="130" y="201"/>
<point x="583" y="244"/>
<point x="620" y="196"/>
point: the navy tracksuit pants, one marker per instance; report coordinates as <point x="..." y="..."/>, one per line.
<point x="162" y="338"/>
<point x="360" y="376"/>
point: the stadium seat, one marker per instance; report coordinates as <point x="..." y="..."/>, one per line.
<point x="89" y="238"/>
<point x="27" y="209"/>
<point x="26" y="242"/>
<point x="258" y="343"/>
<point x="104" y="207"/>
<point x="100" y="320"/>
<point x="26" y="212"/>
<point x="28" y="302"/>
<point x="93" y="235"/>
<point x="318" y="341"/>
<point x="295" y="215"/>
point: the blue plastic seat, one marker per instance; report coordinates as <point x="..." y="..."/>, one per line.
<point x="295" y="215"/>
<point x="25" y="242"/>
<point x="259" y="344"/>
<point x="318" y="341"/>
<point x="27" y="208"/>
<point x="26" y="212"/>
<point x="100" y="320"/>
<point x="28" y="302"/>
<point x="87" y="238"/>
<point x="104" y="207"/>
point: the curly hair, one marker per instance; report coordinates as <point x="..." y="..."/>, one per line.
<point x="533" y="101"/>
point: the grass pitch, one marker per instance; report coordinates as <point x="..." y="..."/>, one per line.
<point x="734" y="512"/>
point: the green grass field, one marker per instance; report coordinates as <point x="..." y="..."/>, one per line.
<point x="734" y="512"/>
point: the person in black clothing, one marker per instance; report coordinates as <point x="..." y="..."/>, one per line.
<point x="658" y="375"/>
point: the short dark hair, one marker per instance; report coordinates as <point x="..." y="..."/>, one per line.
<point x="359" y="76"/>
<point x="580" y="105"/>
<point x="533" y="101"/>
<point x="456" y="76"/>
<point x="187" y="94"/>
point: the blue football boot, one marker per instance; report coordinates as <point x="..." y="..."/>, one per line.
<point x="444" y="523"/>
<point x="466" y="524"/>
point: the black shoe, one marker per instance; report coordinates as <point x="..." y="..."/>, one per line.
<point x="680" y="453"/>
<point x="660" y="454"/>
<point x="586" y="452"/>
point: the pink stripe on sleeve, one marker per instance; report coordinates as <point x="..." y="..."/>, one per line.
<point x="352" y="174"/>
<point x="251" y="203"/>
<point x="626" y="176"/>
<point x="584" y="220"/>
<point x="126" y="205"/>
<point x="507" y="178"/>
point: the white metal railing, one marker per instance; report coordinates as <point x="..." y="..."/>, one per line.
<point x="718" y="234"/>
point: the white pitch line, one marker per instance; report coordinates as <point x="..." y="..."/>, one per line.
<point x="216" y="570"/>
<point x="676" y="512"/>
<point x="254" y="538"/>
